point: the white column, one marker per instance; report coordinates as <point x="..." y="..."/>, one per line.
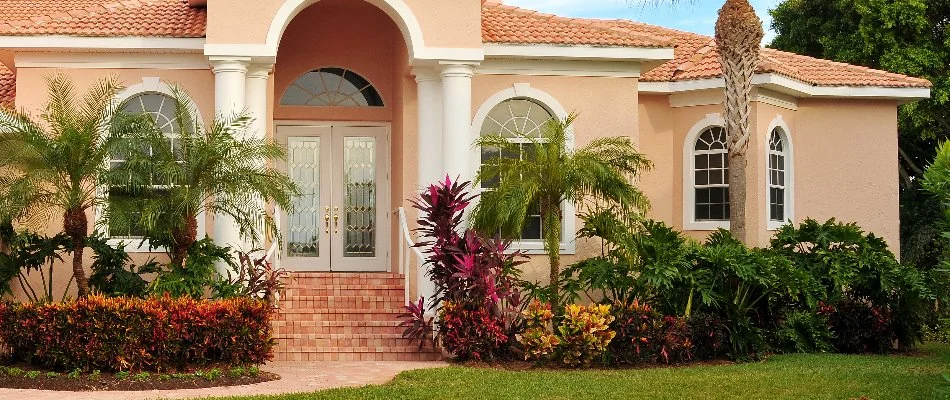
<point x="229" y="99"/>
<point x="457" y="119"/>
<point x="429" y="94"/>
<point x="255" y="100"/>
<point x="431" y="168"/>
<point x="258" y="76"/>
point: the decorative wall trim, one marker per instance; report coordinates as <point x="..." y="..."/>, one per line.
<point x="779" y="122"/>
<point x="589" y="53"/>
<point x="791" y="87"/>
<point x="584" y="68"/>
<point x="112" y="61"/>
<point x="66" y="43"/>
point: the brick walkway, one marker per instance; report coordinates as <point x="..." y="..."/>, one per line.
<point x="295" y="377"/>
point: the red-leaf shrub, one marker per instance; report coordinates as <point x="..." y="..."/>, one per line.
<point x="121" y="334"/>
<point x="471" y="333"/>
<point x="860" y="327"/>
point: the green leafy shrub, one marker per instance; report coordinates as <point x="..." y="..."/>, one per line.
<point x="32" y="374"/>
<point x="804" y="332"/>
<point x="538" y="340"/>
<point x="74" y="374"/>
<point x="116" y="334"/>
<point x="939" y="332"/>
<point x="709" y="333"/>
<point x="113" y="273"/>
<point x="584" y="334"/>
<point x="853" y="267"/>
<point x="122" y="375"/>
<point x="141" y="376"/>
<point x="95" y="375"/>
<point x="52" y="374"/>
<point x="471" y="333"/>
<point x="197" y="275"/>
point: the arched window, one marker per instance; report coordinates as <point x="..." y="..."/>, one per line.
<point x="779" y="178"/>
<point x="711" y="175"/>
<point x="161" y="107"/>
<point x="331" y="87"/>
<point x="515" y="119"/>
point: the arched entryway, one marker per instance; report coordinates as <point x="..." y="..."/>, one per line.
<point x="339" y="86"/>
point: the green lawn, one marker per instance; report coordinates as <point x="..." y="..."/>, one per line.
<point x="787" y="377"/>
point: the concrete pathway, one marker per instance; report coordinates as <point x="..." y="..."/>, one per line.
<point x="295" y="377"/>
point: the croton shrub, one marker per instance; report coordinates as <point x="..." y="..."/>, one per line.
<point x="129" y="334"/>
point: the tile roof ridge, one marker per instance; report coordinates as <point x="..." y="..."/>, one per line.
<point x="852" y="67"/>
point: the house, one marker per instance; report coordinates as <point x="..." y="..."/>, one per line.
<point x="375" y="98"/>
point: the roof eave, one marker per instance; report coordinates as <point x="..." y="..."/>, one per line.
<point x="106" y="43"/>
<point x="794" y="87"/>
<point x="578" y="52"/>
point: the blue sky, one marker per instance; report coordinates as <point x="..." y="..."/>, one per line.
<point x="689" y="15"/>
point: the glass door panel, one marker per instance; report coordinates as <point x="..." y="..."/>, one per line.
<point x="307" y="228"/>
<point x="359" y="173"/>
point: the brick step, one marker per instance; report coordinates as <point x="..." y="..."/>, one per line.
<point x="401" y="356"/>
<point x="383" y="279"/>
<point x="333" y="311"/>
<point x="346" y="275"/>
<point x="289" y="319"/>
<point x="316" y="344"/>
<point x="345" y="301"/>
<point x="355" y="290"/>
<point x="402" y="348"/>
<point x="348" y="286"/>
<point x="337" y="336"/>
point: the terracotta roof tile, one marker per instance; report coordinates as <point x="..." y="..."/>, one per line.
<point x="7" y="86"/>
<point x="696" y="57"/>
<point x="154" y="18"/>
<point x="513" y="25"/>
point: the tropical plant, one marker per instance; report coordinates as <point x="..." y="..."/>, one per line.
<point x="471" y="333"/>
<point x="544" y="172"/>
<point x="477" y="275"/>
<point x="54" y="164"/>
<point x="113" y="273"/>
<point x="254" y="277"/>
<point x="584" y="334"/>
<point x="197" y="277"/>
<point x="538" y="340"/>
<point x="31" y="252"/>
<point x="221" y="170"/>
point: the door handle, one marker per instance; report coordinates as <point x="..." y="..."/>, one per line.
<point x="336" y="219"/>
<point x="326" y="219"/>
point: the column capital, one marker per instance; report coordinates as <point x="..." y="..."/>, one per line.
<point x="229" y="64"/>
<point x="457" y="70"/>
<point x="426" y="74"/>
<point x="259" y="71"/>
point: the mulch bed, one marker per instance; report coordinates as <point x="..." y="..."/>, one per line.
<point x="109" y="382"/>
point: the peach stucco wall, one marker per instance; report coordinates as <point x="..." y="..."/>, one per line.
<point x="844" y="162"/>
<point x="606" y="107"/>
<point x="455" y="23"/>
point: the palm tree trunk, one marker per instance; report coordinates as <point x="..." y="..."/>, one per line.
<point x="184" y="238"/>
<point x="738" y="35"/>
<point x="552" y="242"/>
<point x="76" y="226"/>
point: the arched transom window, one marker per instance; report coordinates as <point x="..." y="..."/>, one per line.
<point x="711" y="175"/>
<point x="332" y="87"/>
<point x="778" y="168"/>
<point x="517" y="119"/>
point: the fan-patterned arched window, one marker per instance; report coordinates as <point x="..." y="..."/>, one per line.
<point x="778" y="179"/>
<point x="711" y="175"/>
<point x="517" y="119"/>
<point x="331" y="87"/>
<point x="161" y="107"/>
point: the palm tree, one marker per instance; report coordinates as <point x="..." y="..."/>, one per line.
<point x="545" y="173"/>
<point x="738" y="35"/>
<point x="54" y="164"/>
<point x="218" y="170"/>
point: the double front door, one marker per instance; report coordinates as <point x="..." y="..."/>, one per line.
<point x="339" y="222"/>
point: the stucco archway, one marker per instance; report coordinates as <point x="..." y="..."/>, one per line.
<point x="397" y="10"/>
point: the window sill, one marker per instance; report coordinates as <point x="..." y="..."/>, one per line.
<point x="705" y="225"/>
<point x="537" y="248"/>
<point x="134" y="246"/>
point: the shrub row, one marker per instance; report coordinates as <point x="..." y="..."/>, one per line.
<point x="122" y="334"/>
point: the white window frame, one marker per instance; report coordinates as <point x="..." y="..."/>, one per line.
<point x="789" y="153"/>
<point x="568" y="245"/>
<point x="689" y="171"/>
<point x="148" y="85"/>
